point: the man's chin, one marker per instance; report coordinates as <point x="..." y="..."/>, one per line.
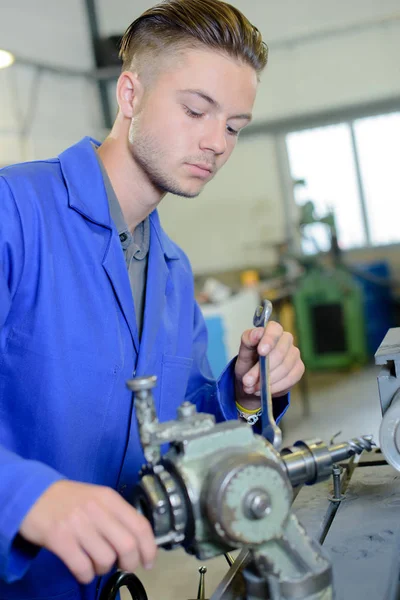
<point x="184" y="194"/>
<point x="186" y="191"/>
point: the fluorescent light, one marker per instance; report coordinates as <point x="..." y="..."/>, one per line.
<point x="6" y="59"/>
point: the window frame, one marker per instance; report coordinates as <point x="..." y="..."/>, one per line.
<point x="300" y="124"/>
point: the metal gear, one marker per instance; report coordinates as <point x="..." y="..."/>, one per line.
<point x="160" y="497"/>
<point x="243" y="491"/>
<point x="177" y="502"/>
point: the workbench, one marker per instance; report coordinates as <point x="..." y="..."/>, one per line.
<point x="360" y="533"/>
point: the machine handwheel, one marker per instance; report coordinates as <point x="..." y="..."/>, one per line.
<point x="122" y="579"/>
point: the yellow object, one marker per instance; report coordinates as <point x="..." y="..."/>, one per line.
<point x="246" y="410"/>
<point x="287" y="317"/>
<point x="249" y="278"/>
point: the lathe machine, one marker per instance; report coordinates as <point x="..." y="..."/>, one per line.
<point x="221" y="487"/>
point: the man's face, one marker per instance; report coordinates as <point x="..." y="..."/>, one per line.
<point x="187" y="124"/>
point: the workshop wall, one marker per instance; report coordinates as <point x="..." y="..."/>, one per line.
<point x="41" y="114"/>
<point x="347" y="66"/>
<point x="323" y="57"/>
<point x="238" y="218"/>
<point x="351" y="66"/>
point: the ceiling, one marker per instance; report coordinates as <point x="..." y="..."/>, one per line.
<point x="56" y="32"/>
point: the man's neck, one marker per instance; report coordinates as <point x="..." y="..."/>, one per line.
<point x="136" y="195"/>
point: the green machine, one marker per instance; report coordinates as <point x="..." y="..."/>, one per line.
<point x="328" y="305"/>
<point x="330" y="319"/>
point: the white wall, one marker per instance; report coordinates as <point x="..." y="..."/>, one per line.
<point x="233" y="223"/>
<point x="349" y="67"/>
<point x="47" y="31"/>
<point x="41" y="114"/>
<point x="40" y="121"/>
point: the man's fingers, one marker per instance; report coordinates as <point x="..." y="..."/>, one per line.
<point x="250" y="340"/>
<point x="256" y="341"/>
<point x="67" y="548"/>
<point x="282" y="360"/>
<point x="272" y="335"/>
<point x="284" y="385"/>
<point x="282" y="370"/>
<point x="146" y="544"/>
<point x="137" y="525"/>
<point x="282" y="351"/>
<point x="251" y="378"/>
<point x="247" y="355"/>
<point x="90" y="528"/>
<point x="122" y="543"/>
<point x="277" y="355"/>
<point x="99" y="550"/>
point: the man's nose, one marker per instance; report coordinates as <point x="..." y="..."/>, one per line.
<point x="214" y="138"/>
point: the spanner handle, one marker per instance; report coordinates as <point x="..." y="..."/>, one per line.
<point x="269" y="428"/>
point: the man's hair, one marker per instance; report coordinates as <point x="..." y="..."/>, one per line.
<point x="181" y="24"/>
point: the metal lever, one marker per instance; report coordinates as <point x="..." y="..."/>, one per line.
<point x="270" y="430"/>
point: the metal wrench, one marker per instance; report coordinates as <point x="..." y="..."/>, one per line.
<point x="269" y="428"/>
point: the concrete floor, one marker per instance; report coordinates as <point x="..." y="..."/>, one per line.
<point x="339" y="402"/>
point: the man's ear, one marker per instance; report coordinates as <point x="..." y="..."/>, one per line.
<point x="129" y="93"/>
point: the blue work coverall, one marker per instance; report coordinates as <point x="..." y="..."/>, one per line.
<point x="68" y="344"/>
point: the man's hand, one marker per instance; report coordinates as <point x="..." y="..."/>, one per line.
<point x="90" y="528"/>
<point x="285" y="365"/>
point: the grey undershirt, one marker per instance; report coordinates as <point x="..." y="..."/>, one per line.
<point x="135" y="248"/>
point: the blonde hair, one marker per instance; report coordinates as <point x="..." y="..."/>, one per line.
<point x="180" y="24"/>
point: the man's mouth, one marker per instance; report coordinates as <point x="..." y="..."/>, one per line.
<point x="201" y="169"/>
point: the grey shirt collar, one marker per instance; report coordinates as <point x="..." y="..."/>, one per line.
<point x="141" y="236"/>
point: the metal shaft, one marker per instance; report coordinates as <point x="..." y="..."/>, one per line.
<point x="201" y="594"/>
<point x="351" y="447"/>
<point x="337" y="471"/>
<point x="145" y="414"/>
<point x="309" y="462"/>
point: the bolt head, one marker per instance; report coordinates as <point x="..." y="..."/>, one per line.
<point x="257" y="504"/>
<point x="186" y="410"/>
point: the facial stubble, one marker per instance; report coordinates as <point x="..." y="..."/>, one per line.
<point x="150" y="157"/>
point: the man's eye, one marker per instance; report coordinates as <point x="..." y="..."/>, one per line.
<point x="231" y="131"/>
<point x="192" y="113"/>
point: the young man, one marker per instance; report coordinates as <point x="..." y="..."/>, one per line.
<point x="93" y="292"/>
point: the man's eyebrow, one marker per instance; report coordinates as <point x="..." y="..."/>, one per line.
<point x="207" y="98"/>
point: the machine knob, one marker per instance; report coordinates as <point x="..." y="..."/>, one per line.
<point x="141" y="384"/>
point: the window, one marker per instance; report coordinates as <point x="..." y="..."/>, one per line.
<point x="378" y="147"/>
<point x="352" y="170"/>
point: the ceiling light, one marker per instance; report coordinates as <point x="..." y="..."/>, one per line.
<point x="6" y="59"/>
